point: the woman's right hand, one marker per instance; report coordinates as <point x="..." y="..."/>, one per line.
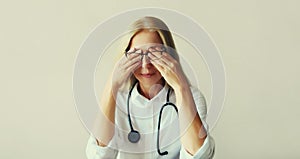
<point x="124" y="68"/>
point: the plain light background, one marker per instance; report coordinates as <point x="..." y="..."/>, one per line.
<point x="258" y="40"/>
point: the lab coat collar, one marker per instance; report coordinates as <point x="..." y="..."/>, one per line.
<point x="161" y="96"/>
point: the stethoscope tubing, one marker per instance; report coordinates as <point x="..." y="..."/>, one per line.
<point x="134" y="135"/>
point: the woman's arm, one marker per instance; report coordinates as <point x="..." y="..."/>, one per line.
<point x="191" y="128"/>
<point x="106" y="117"/>
<point x="104" y="127"/>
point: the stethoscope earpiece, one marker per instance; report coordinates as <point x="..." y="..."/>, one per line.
<point x="134" y="136"/>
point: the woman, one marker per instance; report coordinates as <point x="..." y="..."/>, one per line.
<point x="149" y="109"/>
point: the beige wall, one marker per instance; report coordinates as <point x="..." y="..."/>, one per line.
<point x="258" y="40"/>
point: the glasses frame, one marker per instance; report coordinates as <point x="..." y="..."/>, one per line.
<point x="163" y="49"/>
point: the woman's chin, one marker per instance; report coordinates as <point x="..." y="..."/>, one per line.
<point x="150" y="80"/>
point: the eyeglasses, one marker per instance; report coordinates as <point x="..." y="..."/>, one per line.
<point x="151" y="50"/>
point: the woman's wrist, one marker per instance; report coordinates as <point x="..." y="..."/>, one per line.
<point x="181" y="92"/>
<point x="114" y="88"/>
<point x="182" y="86"/>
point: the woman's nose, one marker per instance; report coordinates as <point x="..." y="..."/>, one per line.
<point x="145" y="61"/>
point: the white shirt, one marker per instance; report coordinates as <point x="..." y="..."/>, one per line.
<point x="144" y="115"/>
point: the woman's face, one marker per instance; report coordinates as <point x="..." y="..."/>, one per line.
<point x="147" y="74"/>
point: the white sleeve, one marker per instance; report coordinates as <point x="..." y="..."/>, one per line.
<point x="94" y="151"/>
<point x="206" y="151"/>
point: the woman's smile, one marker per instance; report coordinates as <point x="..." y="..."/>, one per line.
<point x="147" y="75"/>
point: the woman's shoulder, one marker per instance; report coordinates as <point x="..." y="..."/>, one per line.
<point x="196" y="91"/>
<point x="200" y="102"/>
<point x="122" y="95"/>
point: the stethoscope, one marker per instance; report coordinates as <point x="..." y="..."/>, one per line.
<point x="134" y="136"/>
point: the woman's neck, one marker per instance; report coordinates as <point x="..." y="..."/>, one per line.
<point x="150" y="91"/>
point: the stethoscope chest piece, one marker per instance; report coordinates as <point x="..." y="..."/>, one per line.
<point x="134" y="136"/>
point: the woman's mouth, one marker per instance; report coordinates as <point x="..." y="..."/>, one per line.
<point x="147" y="75"/>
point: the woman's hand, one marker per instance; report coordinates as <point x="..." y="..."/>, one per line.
<point x="169" y="68"/>
<point x="124" y="69"/>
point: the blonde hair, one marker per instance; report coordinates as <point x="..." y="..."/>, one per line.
<point x="152" y="24"/>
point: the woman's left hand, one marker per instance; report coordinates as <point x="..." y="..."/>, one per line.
<point x="169" y="68"/>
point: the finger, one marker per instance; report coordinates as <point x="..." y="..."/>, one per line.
<point x="166" y="57"/>
<point x="160" y="48"/>
<point x="124" y="72"/>
<point x="157" y="48"/>
<point x="161" y="67"/>
<point x="157" y="60"/>
<point x="124" y="59"/>
<point x="169" y="61"/>
<point x="159" y="56"/>
<point x="134" y="67"/>
<point x="152" y="49"/>
<point x="131" y="55"/>
<point x="132" y="61"/>
<point x="154" y="55"/>
<point x="131" y="50"/>
<point x="169" y="57"/>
